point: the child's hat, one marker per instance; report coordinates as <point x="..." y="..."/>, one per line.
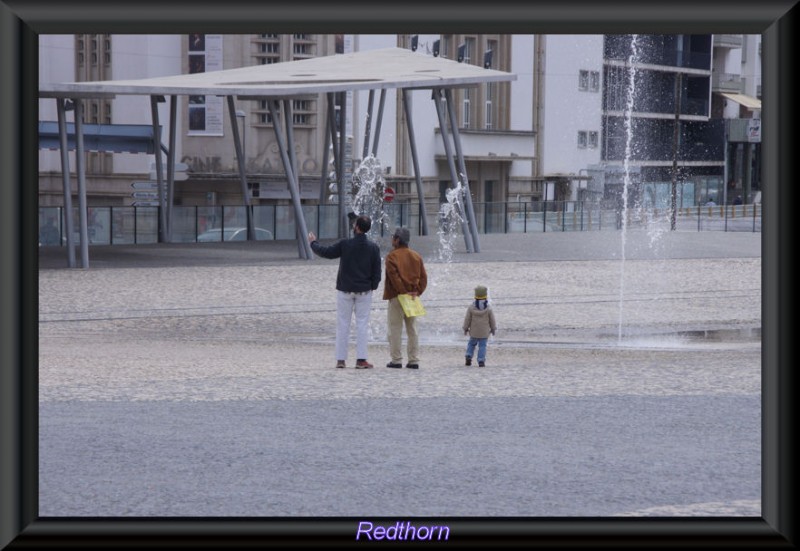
<point x="480" y="291"/>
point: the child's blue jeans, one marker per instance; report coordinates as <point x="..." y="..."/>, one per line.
<point x="481" y="348"/>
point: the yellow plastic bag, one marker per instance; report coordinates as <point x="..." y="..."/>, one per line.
<point x="412" y="306"/>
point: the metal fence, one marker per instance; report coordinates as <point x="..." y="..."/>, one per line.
<point x="132" y="225"/>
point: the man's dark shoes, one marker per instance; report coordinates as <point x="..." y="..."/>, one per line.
<point x="363" y="364"/>
<point x="481" y="364"/>
<point x="394" y="364"/>
<point x="468" y="361"/>
<point x="412" y="366"/>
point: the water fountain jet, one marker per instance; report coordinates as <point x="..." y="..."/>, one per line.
<point x="368" y="200"/>
<point x="627" y="174"/>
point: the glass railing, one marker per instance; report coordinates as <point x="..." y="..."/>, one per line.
<point x="196" y="224"/>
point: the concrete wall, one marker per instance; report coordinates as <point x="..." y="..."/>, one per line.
<point x="567" y="109"/>
<point x="144" y="56"/>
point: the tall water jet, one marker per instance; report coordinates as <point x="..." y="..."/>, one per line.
<point x="450" y="220"/>
<point x="369" y="185"/>
<point x="627" y="172"/>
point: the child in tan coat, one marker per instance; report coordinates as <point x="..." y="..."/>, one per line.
<point x="479" y="323"/>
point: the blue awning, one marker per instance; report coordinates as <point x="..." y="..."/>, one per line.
<point x="111" y="138"/>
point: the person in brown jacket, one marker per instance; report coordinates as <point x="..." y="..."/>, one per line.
<point x="479" y="323"/>
<point x="404" y="274"/>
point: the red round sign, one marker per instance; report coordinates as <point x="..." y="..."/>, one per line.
<point x="388" y="194"/>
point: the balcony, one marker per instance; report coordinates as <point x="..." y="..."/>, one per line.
<point x="728" y="41"/>
<point x="653" y="140"/>
<point x="492" y="145"/>
<point x="741" y="130"/>
<point x="726" y="82"/>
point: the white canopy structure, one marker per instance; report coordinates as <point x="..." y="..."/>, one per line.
<point x="279" y="83"/>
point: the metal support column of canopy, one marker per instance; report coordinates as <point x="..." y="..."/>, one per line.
<point x="437" y="95"/>
<point x="344" y="223"/>
<point x="173" y="118"/>
<point x="302" y="230"/>
<point x="378" y="123"/>
<point x="415" y="159"/>
<point x="473" y="226"/>
<point x="80" y="167"/>
<point x="162" y="193"/>
<point x="237" y="143"/>
<point x="304" y="248"/>
<point x="326" y="159"/>
<point x="61" y="108"/>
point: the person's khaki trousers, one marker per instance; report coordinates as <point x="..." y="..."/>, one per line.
<point x="395" y="321"/>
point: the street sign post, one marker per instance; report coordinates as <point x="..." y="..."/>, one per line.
<point x="147" y="195"/>
<point x="144" y="185"/>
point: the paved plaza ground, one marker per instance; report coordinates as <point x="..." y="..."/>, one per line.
<point x="199" y="380"/>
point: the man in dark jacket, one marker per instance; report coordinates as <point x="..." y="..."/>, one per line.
<point x="359" y="275"/>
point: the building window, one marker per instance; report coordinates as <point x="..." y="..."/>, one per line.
<point x="303" y="46"/>
<point x="589" y="81"/>
<point x="489" y="109"/>
<point x="594" y="81"/>
<point x="616" y="88"/>
<point x="302" y="112"/>
<point x="468" y="51"/>
<point x="588" y="138"/>
<point x="583" y="80"/>
<point x="465" y="109"/>
<point x="264" y="116"/>
<point x="92" y="57"/>
<point x="444" y="48"/>
<point x="268" y="49"/>
<point x="302" y="50"/>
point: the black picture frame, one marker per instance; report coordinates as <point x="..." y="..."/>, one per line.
<point x="21" y="21"/>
